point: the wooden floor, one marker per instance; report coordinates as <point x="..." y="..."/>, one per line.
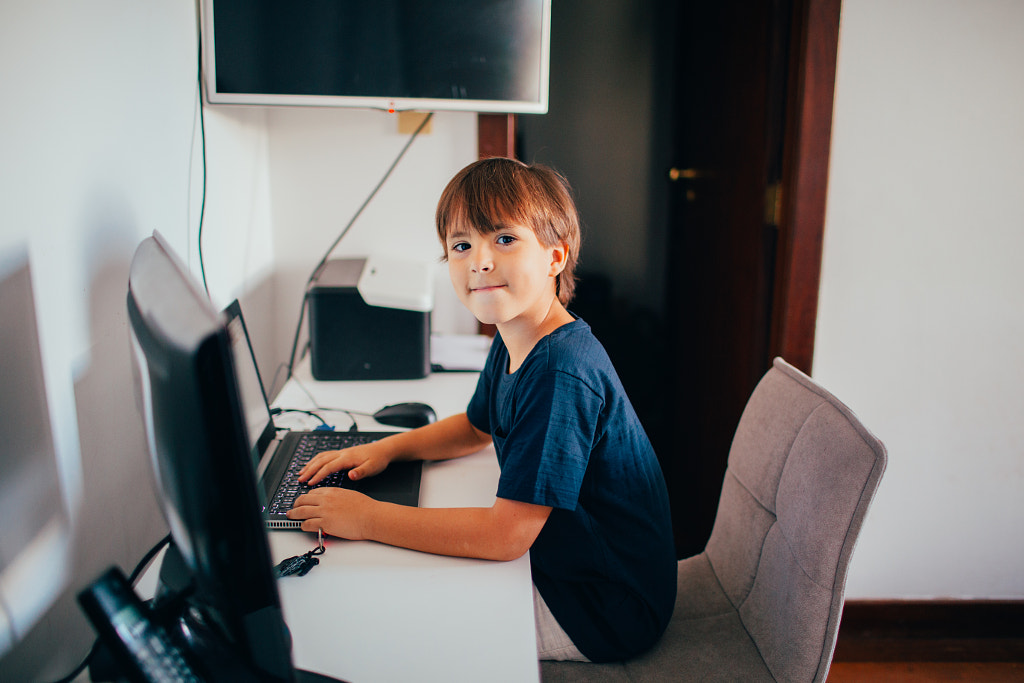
<point x="933" y="641"/>
<point x="920" y="672"/>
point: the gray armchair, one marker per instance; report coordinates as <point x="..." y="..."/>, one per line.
<point x="764" y="599"/>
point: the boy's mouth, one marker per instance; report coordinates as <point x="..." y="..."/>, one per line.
<point x="485" y="288"/>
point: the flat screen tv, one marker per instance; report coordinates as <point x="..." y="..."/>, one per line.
<point x="205" y="476"/>
<point x="394" y="55"/>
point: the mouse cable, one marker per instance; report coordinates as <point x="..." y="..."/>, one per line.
<point x="279" y="411"/>
<point x="324" y="409"/>
<point x="316" y="406"/>
<point x="348" y="226"/>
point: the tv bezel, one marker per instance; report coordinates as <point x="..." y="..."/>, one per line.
<point x="381" y="102"/>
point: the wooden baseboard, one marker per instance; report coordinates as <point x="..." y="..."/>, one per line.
<point x="931" y="630"/>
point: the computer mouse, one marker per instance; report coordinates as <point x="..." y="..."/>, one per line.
<point x="405" y="415"/>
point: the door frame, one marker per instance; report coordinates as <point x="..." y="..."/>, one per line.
<point x="805" y="180"/>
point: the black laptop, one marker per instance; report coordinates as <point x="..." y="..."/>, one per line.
<point x="279" y="457"/>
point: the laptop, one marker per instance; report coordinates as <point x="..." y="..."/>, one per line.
<point x="278" y="458"/>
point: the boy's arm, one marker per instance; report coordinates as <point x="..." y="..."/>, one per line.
<point x="452" y="437"/>
<point x="504" y="531"/>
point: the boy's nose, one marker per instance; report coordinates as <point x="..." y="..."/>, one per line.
<point x="482" y="263"/>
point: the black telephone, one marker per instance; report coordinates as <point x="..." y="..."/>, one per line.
<point x="142" y="649"/>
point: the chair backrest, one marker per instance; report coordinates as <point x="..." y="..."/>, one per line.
<point x="802" y="472"/>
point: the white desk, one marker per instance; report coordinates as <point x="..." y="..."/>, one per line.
<point x="370" y="612"/>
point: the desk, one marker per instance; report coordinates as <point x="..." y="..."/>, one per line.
<point x="370" y="612"/>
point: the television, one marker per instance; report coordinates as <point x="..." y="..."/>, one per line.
<point x="230" y="613"/>
<point x="393" y="55"/>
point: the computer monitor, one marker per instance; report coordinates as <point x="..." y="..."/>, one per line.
<point x="200" y="451"/>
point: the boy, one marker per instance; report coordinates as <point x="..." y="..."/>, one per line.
<point x="580" y="487"/>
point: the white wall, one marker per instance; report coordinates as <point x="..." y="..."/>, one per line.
<point x="921" y="315"/>
<point x="238" y="241"/>
<point x="325" y="163"/>
<point x="95" y="135"/>
<point x="99" y="146"/>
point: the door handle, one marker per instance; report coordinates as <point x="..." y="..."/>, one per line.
<point x="675" y="174"/>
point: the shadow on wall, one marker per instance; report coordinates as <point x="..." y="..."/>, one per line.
<point x="271" y="339"/>
<point x="286" y="296"/>
<point x="119" y="518"/>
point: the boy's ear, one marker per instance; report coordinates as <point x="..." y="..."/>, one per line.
<point x="559" y="254"/>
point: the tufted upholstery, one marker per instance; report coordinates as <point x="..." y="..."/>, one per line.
<point x="764" y="599"/>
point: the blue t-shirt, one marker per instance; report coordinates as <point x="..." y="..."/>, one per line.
<point x="567" y="437"/>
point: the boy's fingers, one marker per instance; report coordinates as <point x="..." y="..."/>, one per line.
<point x="368" y="468"/>
<point x="319" y="467"/>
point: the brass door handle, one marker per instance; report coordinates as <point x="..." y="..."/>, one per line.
<point x="675" y="174"/>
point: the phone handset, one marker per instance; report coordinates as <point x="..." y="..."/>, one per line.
<point x="143" y="648"/>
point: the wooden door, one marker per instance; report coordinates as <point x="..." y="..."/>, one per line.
<point x="739" y="73"/>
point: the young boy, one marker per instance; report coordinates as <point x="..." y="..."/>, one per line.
<point x="580" y="486"/>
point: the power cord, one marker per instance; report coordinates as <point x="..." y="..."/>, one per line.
<point x="147" y="558"/>
<point x="317" y="408"/>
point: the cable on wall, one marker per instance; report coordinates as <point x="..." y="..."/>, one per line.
<point x="348" y="226"/>
<point x="202" y="146"/>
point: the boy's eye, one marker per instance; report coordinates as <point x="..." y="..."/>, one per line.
<point x="460" y="246"/>
<point x="506" y="239"/>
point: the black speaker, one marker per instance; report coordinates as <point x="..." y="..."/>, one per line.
<point x="370" y="320"/>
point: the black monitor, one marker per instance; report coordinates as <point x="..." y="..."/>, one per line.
<point x="206" y="480"/>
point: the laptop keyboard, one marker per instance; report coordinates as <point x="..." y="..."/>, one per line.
<point x="311" y="444"/>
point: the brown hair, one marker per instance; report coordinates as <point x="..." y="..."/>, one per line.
<point x="491" y="193"/>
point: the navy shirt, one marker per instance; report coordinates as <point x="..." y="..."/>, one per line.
<point x="567" y="437"/>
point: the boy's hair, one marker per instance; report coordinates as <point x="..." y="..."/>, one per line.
<point x="492" y="193"/>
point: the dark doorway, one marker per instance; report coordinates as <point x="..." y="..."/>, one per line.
<point x="723" y="111"/>
<point x="729" y="84"/>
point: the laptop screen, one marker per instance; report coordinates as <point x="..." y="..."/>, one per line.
<point x="258" y="422"/>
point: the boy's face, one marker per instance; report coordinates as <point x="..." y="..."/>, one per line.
<point x="506" y="276"/>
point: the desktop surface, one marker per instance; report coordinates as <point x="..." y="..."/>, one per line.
<point x="370" y="612"/>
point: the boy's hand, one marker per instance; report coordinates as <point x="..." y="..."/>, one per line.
<point x="337" y="511"/>
<point x="364" y="460"/>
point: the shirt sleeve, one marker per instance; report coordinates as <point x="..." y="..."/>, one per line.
<point x="555" y="425"/>
<point x="478" y="410"/>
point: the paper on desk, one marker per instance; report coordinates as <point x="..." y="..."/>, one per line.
<point x="459" y="352"/>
